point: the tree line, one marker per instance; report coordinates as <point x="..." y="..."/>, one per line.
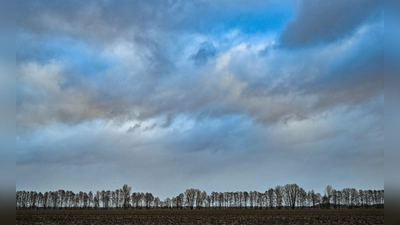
<point x="288" y="196"/>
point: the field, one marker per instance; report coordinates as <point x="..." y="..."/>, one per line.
<point x="227" y="216"/>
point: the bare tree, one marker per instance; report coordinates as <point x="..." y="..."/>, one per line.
<point x="245" y="198"/>
<point x="252" y="196"/>
<point x="168" y="203"/>
<point x="302" y="197"/>
<point x="271" y="196"/>
<point x="76" y="200"/>
<point x="346" y="197"/>
<point x="61" y="194"/>
<point x="208" y="201"/>
<point x="190" y="195"/>
<point x="126" y="192"/>
<point x="214" y="198"/>
<point x="117" y="198"/>
<point x="148" y="198"/>
<point x="198" y="199"/>
<point x="278" y="196"/>
<point x="85" y="200"/>
<point x="180" y="199"/>
<point x="339" y="199"/>
<point x="335" y="198"/>
<point x="381" y="197"/>
<point x="90" y="198"/>
<point x="313" y="198"/>
<point x="103" y="198"/>
<point x="157" y="202"/>
<point x="291" y="191"/>
<point x="135" y="199"/>
<point x="141" y="199"/>
<point x="292" y="194"/>
<point x="318" y="199"/>
<point x="70" y="198"/>
<point x="260" y="200"/>
<point x="353" y="197"/>
<point x="362" y="198"/>
<point x="96" y="199"/>
<point x="220" y="199"/>
<point x="54" y="198"/>
<point x="328" y="194"/>
<point x="240" y="199"/>
<point x="32" y="198"/>
<point x="40" y="199"/>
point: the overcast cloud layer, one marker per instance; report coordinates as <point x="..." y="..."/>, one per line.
<point x="168" y="95"/>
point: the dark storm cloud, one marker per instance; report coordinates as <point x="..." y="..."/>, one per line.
<point x="325" y="21"/>
<point x="356" y="75"/>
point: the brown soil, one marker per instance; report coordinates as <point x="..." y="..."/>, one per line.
<point x="209" y="216"/>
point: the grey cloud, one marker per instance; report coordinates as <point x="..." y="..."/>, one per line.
<point x="157" y="59"/>
<point x="266" y="51"/>
<point x="206" y="50"/>
<point x="151" y="127"/>
<point x="326" y="21"/>
<point x="296" y="84"/>
<point x="354" y="77"/>
<point x="104" y="21"/>
<point x="225" y="149"/>
<point x="357" y="77"/>
<point x="134" y="127"/>
<point x="137" y="127"/>
<point x="268" y="99"/>
<point x="108" y="20"/>
<point x="90" y="19"/>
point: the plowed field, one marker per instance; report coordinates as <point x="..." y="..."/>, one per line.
<point x="217" y="216"/>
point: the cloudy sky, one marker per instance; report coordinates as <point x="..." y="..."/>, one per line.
<point x="220" y="96"/>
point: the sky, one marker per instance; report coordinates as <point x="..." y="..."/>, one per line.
<point x="215" y="95"/>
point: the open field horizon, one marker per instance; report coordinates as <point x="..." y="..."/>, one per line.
<point x="270" y="104"/>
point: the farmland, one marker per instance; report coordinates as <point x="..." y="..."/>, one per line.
<point x="204" y="216"/>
